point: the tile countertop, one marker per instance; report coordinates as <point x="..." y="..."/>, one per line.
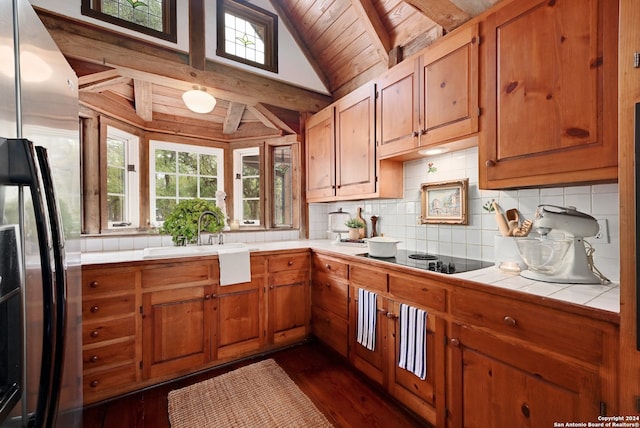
<point x="604" y="297"/>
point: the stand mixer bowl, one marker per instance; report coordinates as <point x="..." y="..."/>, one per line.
<point x="543" y="255"/>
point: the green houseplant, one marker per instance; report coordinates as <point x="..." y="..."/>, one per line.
<point x="354" y="225"/>
<point x="182" y="222"/>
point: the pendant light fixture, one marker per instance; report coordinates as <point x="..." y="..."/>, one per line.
<point x="198" y="100"/>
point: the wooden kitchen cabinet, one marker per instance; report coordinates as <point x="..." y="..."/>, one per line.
<point x="110" y="330"/>
<point x="289" y="304"/>
<point x="239" y="311"/>
<point x="549" y="94"/>
<point x="431" y="98"/>
<point x="341" y="153"/>
<point x="330" y="302"/>
<point x="518" y="364"/>
<point x="178" y="320"/>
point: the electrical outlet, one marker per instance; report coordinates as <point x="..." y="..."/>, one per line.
<point x="603" y="233"/>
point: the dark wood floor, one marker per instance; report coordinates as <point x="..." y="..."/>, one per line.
<point x="344" y="396"/>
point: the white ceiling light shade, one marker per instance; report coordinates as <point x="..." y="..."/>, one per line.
<point x="198" y="100"/>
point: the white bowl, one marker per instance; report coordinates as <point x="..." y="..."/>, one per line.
<point x="543" y="254"/>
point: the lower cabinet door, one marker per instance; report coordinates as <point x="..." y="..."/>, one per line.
<point x="502" y="385"/>
<point x="331" y="329"/>
<point x="176" y="330"/>
<point x="289" y="307"/>
<point x="423" y="396"/>
<point x="371" y="362"/>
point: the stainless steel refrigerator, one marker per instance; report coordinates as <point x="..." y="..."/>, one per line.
<point x="40" y="280"/>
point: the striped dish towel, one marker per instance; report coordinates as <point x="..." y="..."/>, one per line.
<point x="413" y="340"/>
<point x="367" y="319"/>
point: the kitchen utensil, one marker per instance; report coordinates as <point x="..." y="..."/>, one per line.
<point x="503" y="226"/>
<point x="524" y="229"/>
<point x="382" y="246"/>
<point x="362" y="232"/>
<point x="564" y="259"/>
<point x="374" y="223"/>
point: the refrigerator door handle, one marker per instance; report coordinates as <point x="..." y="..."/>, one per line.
<point x="60" y="294"/>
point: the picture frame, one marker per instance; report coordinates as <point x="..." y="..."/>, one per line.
<point x="445" y="202"/>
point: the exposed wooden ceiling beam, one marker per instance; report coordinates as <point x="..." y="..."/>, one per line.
<point x="286" y="20"/>
<point x="442" y="12"/>
<point x="143" y="98"/>
<point x="103" y="85"/>
<point x="233" y="117"/>
<point x="223" y="81"/>
<point x="265" y="115"/>
<point x="374" y="28"/>
<point x="102" y="76"/>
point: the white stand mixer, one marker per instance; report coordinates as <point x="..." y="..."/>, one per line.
<point x="575" y="225"/>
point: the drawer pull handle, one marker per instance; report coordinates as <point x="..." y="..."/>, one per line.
<point x="490" y="163"/>
<point x="290" y="262"/>
<point x="328" y="266"/>
<point x="455" y="342"/>
<point x="94" y="383"/>
<point x="390" y="315"/>
<point x="328" y="285"/>
<point x="510" y="321"/>
<point x="94" y="309"/>
<point x="93" y="284"/>
<point x="93" y="359"/>
<point x="94" y="333"/>
<point x="207" y="296"/>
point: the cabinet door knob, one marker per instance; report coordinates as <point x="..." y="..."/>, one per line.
<point x="94" y="383"/>
<point x="454" y="342"/>
<point x="94" y="309"/>
<point x="290" y="262"/>
<point x="328" y="266"/>
<point x="390" y="315"/>
<point x="207" y="296"/>
<point x="93" y="359"/>
<point x="94" y="333"/>
<point x="525" y="410"/>
<point x="510" y="321"/>
<point x="416" y="133"/>
<point x="93" y="284"/>
<point x="328" y="285"/>
<point x="489" y="163"/>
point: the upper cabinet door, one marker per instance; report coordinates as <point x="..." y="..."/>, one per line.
<point x="449" y="96"/>
<point x="550" y="91"/>
<point x="320" y="166"/>
<point x="398" y="109"/>
<point x="355" y="143"/>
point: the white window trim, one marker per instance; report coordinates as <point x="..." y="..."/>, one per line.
<point x="132" y="178"/>
<point x="238" y="211"/>
<point x="165" y="145"/>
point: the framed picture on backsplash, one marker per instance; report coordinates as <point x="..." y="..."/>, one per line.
<point x="445" y="202"/>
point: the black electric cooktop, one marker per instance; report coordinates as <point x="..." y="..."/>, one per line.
<point x="432" y="262"/>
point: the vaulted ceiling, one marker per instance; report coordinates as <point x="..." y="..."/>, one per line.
<point x="347" y="42"/>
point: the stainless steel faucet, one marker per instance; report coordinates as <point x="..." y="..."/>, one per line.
<point x="217" y="217"/>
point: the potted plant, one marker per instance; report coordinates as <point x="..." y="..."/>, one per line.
<point x="182" y="222"/>
<point x="354" y="225"/>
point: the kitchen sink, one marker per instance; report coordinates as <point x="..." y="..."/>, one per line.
<point x="188" y="251"/>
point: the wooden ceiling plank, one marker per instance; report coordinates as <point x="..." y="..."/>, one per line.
<point x="233" y="117"/>
<point x="287" y="21"/>
<point x="96" y="78"/>
<point x="378" y="35"/>
<point x="143" y="98"/>
<point x="265" y="115"/>
<point x="442" y="12"/>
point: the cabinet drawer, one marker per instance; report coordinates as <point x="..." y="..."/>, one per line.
<point x="193" y="273"/>
<point x="419" y="290"/>
<point x="93" y="308"/>
<point x="366" y="277"/>
<point x="555" y="330"/>
<point x="330" y="266"/>
<point x="330" y="329"/>
<point x="289" y="262"/>
<point x="330" y="294"/>
<point x="108" y="330"/>
<point x="99" y="383"/>
<point x="116" y="353"/>
<point x="97" y="281"/>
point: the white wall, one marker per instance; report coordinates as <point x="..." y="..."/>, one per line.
<point x="293" y="66"/>
<point x="398" y="217"/>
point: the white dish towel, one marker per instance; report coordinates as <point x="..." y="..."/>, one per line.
<point x="235" y="265"/>
<point x="367" y="316"/>
<point x="413" y="340"/>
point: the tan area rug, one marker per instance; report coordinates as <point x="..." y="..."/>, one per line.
<point x="258" y="395"/>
